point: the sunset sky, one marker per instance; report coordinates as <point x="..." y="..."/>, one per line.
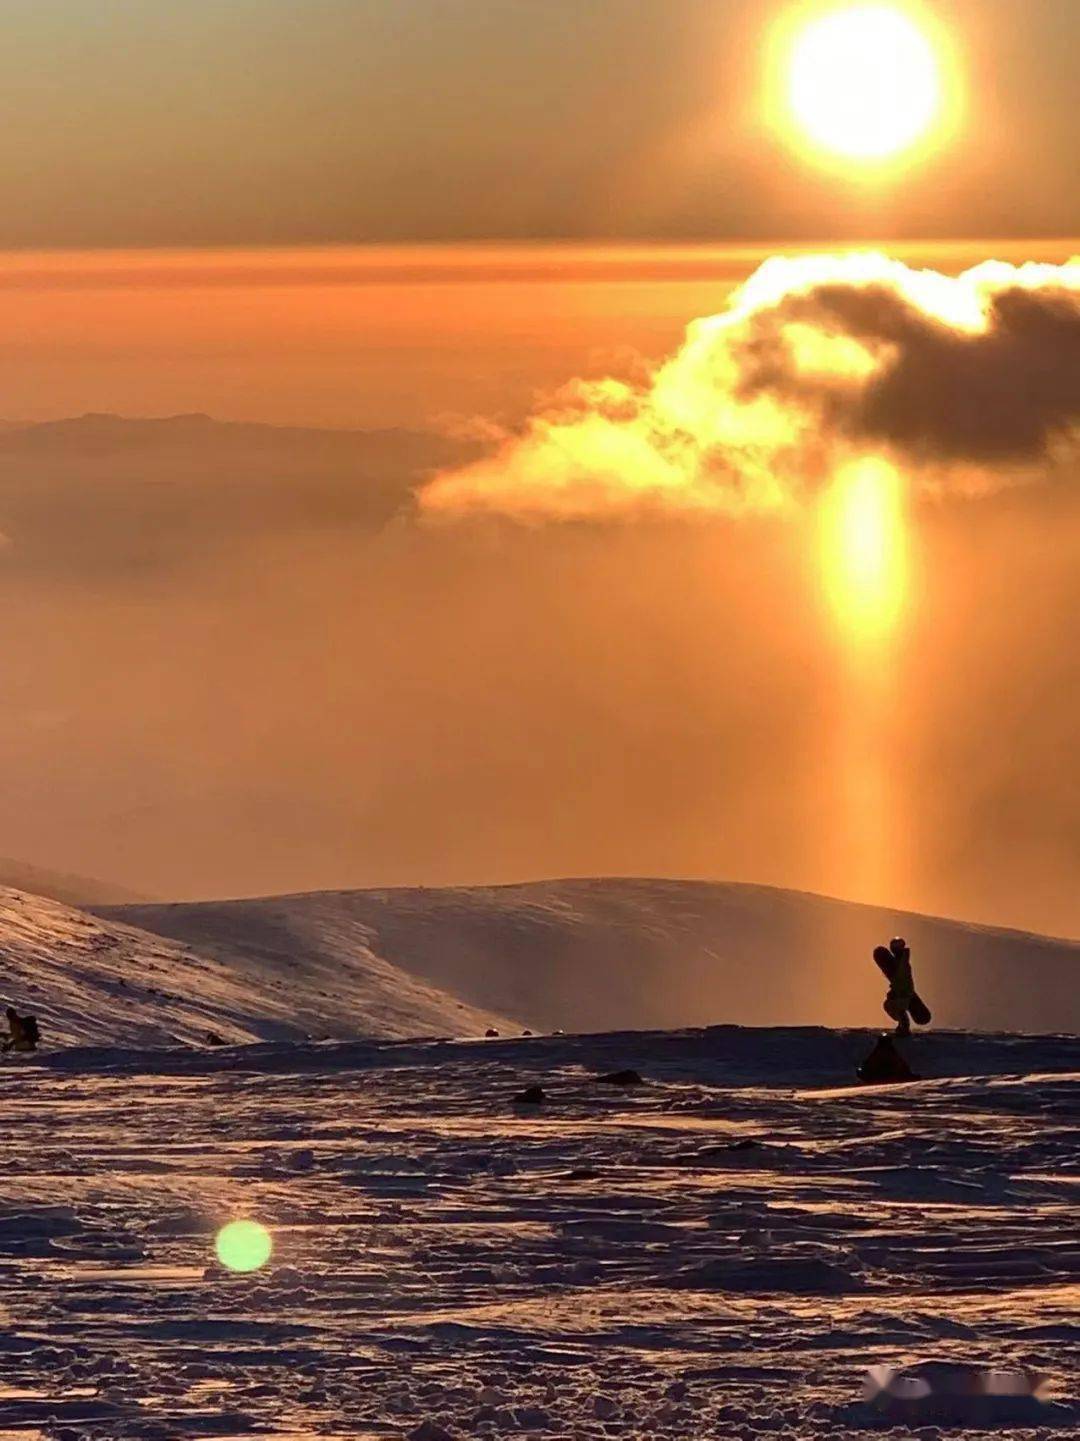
<point x="784" y="597"/>
<point x="219" y="148"/>
<point x="271" y="122"/>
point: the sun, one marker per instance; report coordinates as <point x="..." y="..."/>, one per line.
<point x="864" y="82"/>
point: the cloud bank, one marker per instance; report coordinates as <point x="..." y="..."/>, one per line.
<point x="966" y="382"/>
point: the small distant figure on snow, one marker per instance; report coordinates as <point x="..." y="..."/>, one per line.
<point x="23" y="1033"/>
<point x="902" y="1002"/>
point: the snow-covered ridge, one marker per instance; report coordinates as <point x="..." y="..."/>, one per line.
<point x="591" y="955"/>
<point x="578" y="956"/>
<point x="93" y="981"/>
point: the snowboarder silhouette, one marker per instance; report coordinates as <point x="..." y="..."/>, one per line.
<point x="902" y="1003"/>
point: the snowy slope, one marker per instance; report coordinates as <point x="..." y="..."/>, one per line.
<point x="602" y="954"/>
<point x="722" y="1252"/>
<point x="94" y="981"/>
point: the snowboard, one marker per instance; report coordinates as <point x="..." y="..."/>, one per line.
<point x="919" y="1011"/>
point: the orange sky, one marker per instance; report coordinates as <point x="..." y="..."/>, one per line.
<point x="360" y="336"/>
<point x="231" y="675"/>
<point x="152" y="123"/>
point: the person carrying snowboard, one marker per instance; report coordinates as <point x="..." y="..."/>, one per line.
<point x="901" y="1003"/>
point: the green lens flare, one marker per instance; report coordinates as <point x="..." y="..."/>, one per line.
<point x="243" y="1245"/>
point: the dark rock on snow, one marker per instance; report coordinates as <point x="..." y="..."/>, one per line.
<point x="621" y="1078"/>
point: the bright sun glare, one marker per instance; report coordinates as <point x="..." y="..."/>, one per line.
<point x="864" y="82"/>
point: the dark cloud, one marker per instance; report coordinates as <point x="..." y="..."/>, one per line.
<point x="999" y="393"/>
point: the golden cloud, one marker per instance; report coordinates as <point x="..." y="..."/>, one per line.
<point x="966" y="381"/>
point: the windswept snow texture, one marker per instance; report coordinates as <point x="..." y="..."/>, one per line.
<point x="93" y="981"/>
<point x="586" y="955"/>
<point x="721" y="1252"/>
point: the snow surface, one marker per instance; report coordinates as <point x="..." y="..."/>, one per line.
<point x="734" y="1247"/>
<point x="603" y="954"/>
<point x="91" y="980"/>
<point x="723" y="1251"/>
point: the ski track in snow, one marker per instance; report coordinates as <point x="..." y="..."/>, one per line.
<point x="609" y="1264"/>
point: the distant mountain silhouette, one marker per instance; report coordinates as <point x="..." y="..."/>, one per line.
<point x="71" y="890"/>
<point x="107" y="494"/>
<point x="103" y="434"/>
